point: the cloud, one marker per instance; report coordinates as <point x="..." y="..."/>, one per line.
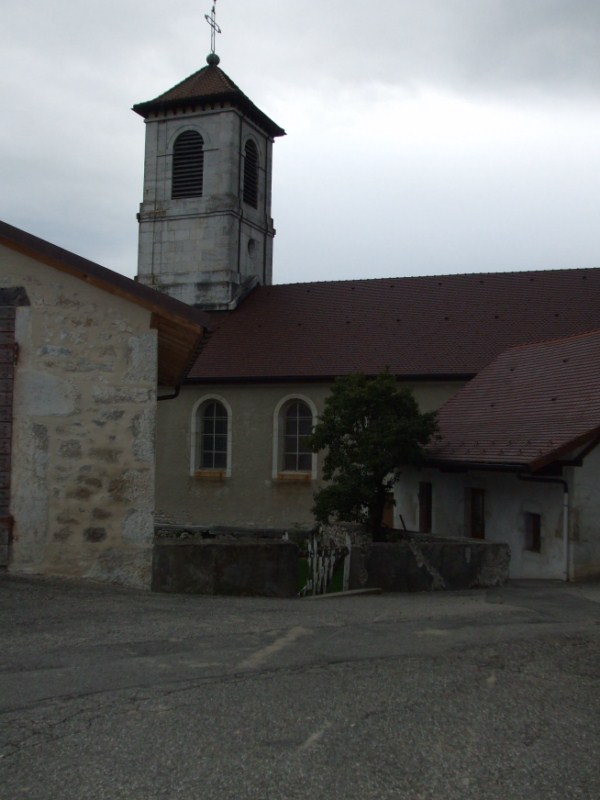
<point x="424" y="135"/>
<point x="477" y="45"/>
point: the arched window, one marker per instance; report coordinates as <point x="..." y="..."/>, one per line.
<point x="294" y="421"/>
<point x="297" y="456"/>
<point x="188" y="165"/>
<point x="251" y="174"/>
<point x="212" y="445"/>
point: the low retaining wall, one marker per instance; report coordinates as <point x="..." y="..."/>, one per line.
<point x="414" y="565"/>
<point x="245" y="567"/>
<point x="199" y="561"/>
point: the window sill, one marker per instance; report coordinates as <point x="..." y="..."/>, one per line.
<point x="216" y="475"/>
<point x="294" y="477"/>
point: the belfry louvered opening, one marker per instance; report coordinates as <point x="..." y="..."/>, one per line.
<point x="188" y="165"/>
<point x="251" y="174"/>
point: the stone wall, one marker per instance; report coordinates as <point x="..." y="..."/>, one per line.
<point x="244" y="567"/>
<point x="201" y="249"/>
<point x="236" y="562"/>
<point x="419" y="564"/>
<point x="82" y="493"/>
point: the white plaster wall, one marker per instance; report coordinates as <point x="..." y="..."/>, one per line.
<point x="507" y="499"/>
<point x="585" y="518"/>
<point x="251" y="495"/>
<point x="197" y="249"/>
<point x="82" y="492"/>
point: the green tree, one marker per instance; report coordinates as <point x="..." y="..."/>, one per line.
<point x="370" y="428"/>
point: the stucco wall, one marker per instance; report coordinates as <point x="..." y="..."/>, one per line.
<point x="585" y="518"/>
<point x="250" y="495"/>
<point x="507" y="500"/>
<point x="82" y="492"/>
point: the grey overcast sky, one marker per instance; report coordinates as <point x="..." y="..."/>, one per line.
<point x="424" y="136"/>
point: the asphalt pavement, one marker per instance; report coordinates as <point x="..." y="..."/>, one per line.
<point x="109" y="693"/>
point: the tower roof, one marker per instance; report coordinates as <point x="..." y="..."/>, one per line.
<point x="209" y="86"/>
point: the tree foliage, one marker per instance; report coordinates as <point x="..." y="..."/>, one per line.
<point x="370" y="428"/>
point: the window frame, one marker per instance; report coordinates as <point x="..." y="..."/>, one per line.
<point x="278" y="473"/>
<point x="196" y="470"/>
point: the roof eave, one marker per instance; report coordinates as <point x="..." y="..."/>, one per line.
<point x="236" y="99"/>
<point x="460" y="465"/>
<point x="327" y="378"/>
<point x="590" y="437"/>
<point x="180" y="328"/>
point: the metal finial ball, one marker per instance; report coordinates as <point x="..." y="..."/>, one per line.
<point x="212" y="59"/>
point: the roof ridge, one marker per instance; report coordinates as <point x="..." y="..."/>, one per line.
<point x="439" y="276"/>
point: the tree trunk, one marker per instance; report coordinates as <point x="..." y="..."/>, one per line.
<point x="376" y="515"/>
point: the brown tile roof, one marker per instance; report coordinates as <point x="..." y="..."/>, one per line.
<point x="180" y="327"/>
<point x="208" y="86"/>
<point x="425" y="327"/>
<point x="531" y="406"/>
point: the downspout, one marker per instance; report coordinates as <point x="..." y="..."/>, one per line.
<point x="566" y="546"/>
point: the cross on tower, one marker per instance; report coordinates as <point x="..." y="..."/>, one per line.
<point x="214" y="28"/>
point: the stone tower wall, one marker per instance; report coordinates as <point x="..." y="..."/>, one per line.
<point x="204" y="250"/>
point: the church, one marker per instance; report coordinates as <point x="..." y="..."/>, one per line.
<point x="189" y="391"/>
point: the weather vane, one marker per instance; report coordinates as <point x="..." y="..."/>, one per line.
<point x="213" y="58"/>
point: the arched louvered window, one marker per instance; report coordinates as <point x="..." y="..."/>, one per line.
<point x="251" y="174"/>
<point x="188" y="165"/>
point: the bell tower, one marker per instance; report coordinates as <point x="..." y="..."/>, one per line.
<point x="205" y="226"/>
